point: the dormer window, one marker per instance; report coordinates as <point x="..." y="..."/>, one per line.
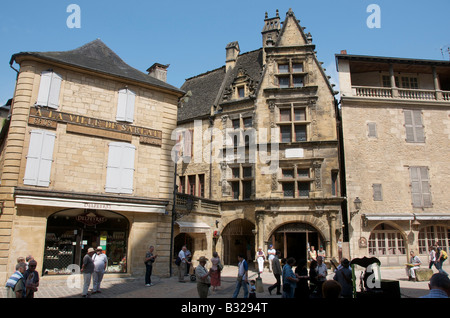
<point x="241" y="91"/>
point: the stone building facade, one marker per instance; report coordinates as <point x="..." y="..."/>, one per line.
<point x="396" y="128"/>
<point x="85" y="162"/>
<point x="259" y="137"/>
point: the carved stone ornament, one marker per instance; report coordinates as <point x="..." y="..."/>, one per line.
<point x="362" y="242"/>
<point x="317" y="175"/>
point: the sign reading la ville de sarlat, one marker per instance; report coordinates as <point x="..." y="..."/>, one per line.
<point x="93" y="126"/>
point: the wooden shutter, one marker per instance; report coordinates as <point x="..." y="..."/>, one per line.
<point x="127" y="168"/>
<point x="372" y="127"/>
<point x="120" y="168"/>
<point x="49" y="89"/>
<point x="125" y="105"/>
<point x="414" y="126"/>
<point x="377" y="192"/>
<point x="420" y="187"/>
<point x="55" y="88"/>
<point x="39" y="158"/>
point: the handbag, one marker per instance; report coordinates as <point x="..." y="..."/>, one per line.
<point x="178" y="261"/>
<point x="219" y="266"/>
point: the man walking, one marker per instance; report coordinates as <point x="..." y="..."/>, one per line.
<point x="87" y="269"/>
<point x="100" y="263"/>
<point x="31" y="279"/>
<point x="441" y="256"/>
<point x="276" y="269"/>
<point x="242" y="279"/>
<point x="15" y="284"/>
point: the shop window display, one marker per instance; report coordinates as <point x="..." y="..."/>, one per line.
<point x="70" y="233"/>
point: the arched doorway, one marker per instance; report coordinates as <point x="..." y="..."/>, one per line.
<point x="180" y="240"/>
<point x="238" y="238"/>
<point x="295" y="239"/>
<point x="71" y="232"/>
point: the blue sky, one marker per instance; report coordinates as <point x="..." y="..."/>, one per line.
<point x="191" y="35"/>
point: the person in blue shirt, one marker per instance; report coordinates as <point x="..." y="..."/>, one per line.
<point x="289" y="279"/>
<point x="242" y="279"/>
<point x="439" y="286"/>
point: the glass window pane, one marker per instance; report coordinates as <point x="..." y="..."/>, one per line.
<point x="285" y="133"/>
<point x="300" y="133"/>
<point x="283" y="81"/>
<point x="283" y="68"/>
<point x="303" y="189"/>
<point x="288" y="189"/>
<point x="288" y="173"/>
<point x="298" y="81"/>
<point x="297" y="67"/>
<point x="285" y="115"/>
<point x="303" y="173"/>
<point x="300" y="114"/>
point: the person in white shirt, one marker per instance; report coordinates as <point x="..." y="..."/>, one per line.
<point x="100" y="263"/>
<point x="182" y="266"/>
<point x="271" y="254"/>
<point x="414" y="263"/>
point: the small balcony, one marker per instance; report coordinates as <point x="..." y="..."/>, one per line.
<point x="400" y="93"/>
<point x="186" y="204"/>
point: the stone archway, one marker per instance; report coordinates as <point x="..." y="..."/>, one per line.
<point x="238" y="238"/>
<point x="294" y="239"/>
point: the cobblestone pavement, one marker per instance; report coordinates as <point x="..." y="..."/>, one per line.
<point x="133" y="287"/>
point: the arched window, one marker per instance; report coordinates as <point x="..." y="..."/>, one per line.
<point x="385" y="240"/>
<point x="429" y="235"/>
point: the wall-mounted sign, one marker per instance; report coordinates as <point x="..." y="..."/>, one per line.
<point x="91" y="218"/>
<point x="93" y="126"/>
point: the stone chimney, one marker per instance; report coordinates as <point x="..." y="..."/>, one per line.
<point x="232" y="52"/>
<point x="158" y="71"/>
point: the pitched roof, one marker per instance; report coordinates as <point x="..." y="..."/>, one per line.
<point x="207" y="88"/>
<point x="204" y="88"/>
<point x="96" y="56"/>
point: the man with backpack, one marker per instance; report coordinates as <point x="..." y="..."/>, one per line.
<point x="441" y="257"/>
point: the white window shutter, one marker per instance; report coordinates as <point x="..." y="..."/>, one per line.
<point x="122" y="105"/>
<point x="44" y="88"/>
<point x="131" y="98"/>
<point x="39" y="158"/>
<point x="120" y="168"/>
<point x="125" y="105"/>
<point x="55" y="88"/>
<point x="49" y="89"/>
<point x="127" y="168"/>
<point x="113" y="168"/>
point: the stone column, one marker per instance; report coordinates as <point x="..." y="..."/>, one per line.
<point x="333" y="238"/>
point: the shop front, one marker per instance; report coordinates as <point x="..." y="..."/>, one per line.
<point x="71" y="232"/>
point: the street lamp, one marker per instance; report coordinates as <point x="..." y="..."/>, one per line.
<point x="357" y="204"/>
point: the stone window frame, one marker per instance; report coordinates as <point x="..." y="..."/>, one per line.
<point x="241" y="181"/>
<point x="293" y="122"/>
<point x="290" y="73"/>
<point x="295" y="179"/>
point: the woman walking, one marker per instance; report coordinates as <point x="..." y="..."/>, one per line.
<point x="216" y="269"/>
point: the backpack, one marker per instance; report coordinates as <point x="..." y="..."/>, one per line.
<point x="444" y="254"/>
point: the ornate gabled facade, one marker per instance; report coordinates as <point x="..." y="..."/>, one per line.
<point x="260" y="140"/>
